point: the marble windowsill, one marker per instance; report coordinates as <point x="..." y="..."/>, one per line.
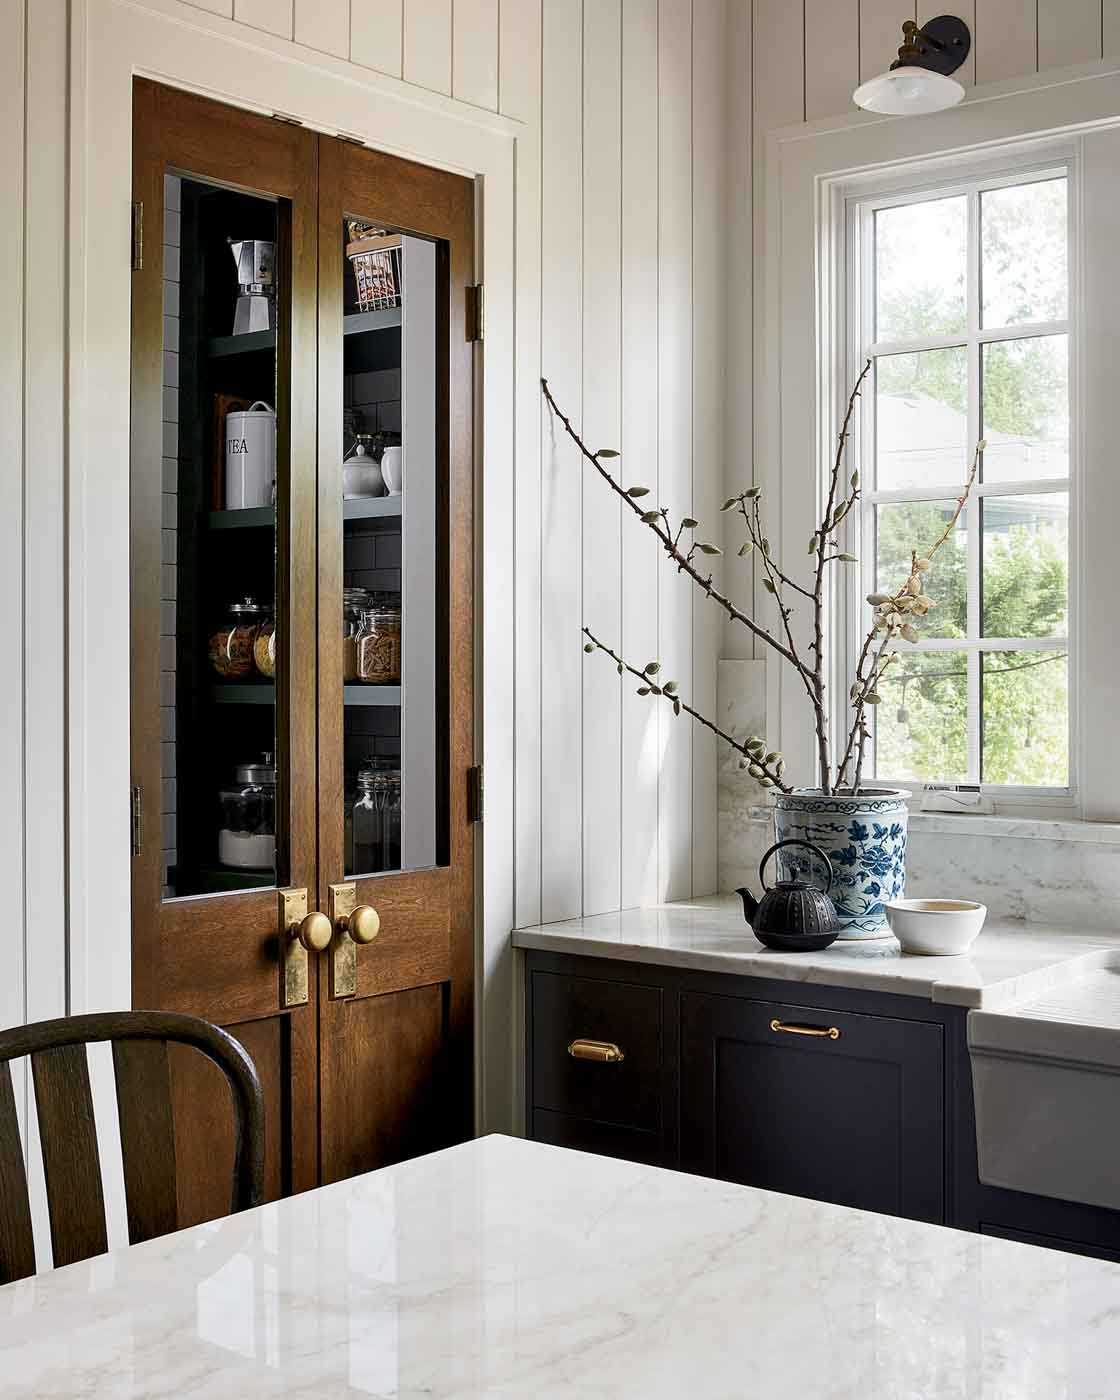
<point x="1021" y="828"/>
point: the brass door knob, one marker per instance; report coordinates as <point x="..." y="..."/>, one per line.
<point x="363" y="924"/>
<point x="314" y="932"/>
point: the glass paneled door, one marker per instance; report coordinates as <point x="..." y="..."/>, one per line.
<point x="395" y="656"/>
<point x="223" y="609"/>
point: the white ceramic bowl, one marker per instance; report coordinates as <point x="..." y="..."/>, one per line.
<point x="936" y="927"/>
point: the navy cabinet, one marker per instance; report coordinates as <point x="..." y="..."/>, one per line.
<point x="815" y="1102"/>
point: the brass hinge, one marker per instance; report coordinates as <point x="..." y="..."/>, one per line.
<point x="351" y="138"/>
<point x="474" y="794"/>
<point x="137" y="235"/>
<point x="474" y="312"/>
<point x="135" y="820"/>
<point x="287" y="119"/>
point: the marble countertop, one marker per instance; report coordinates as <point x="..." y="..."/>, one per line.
<point x="511" y="1269"/>
<point x="1009" y="963"/>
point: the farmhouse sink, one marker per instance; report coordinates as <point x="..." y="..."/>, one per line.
<point x="1046" y="1077"/>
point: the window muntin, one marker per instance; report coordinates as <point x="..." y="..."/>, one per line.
<point x="963" y="300"/>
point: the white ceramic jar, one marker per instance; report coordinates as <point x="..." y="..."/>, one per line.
<point x="392" y="469"/>
<point x="250" y="457"/>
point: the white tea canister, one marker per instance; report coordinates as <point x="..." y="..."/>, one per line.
<point x="361" y="476"/>
<point x="250" y="456"/>
<point x="392" y="469"/>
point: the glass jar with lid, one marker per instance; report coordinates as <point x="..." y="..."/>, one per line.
<point x="231" y="647"/>
<point x="379" y="646"/>
<point x="364" y="823"/>
<point x="247" y="829"/>
<point x="264" y="646"/>
<point x="355" y="601"/>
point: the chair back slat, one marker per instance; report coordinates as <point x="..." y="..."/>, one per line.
<point x="71" y="1164"/>
<point x="147" y="1136"/>
<point x="17" y="1243"/>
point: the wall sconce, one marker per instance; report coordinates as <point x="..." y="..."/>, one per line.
<point x="918" y="80"/>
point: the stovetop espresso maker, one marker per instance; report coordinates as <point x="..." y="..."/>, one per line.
<point x="256" y="303"/>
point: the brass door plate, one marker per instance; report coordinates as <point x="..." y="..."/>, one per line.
<point x="344" y="951"/>
<point x="293" y="955"/>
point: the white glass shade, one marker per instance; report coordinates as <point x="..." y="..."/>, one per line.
<point x="908" y="91"/>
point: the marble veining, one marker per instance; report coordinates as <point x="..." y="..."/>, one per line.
<point x="1008" y="962"/>
<point x="511" y="1269"/>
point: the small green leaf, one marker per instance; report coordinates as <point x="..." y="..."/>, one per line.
<point x="745" y="549"/>
<point x="766" y="782"/>
<point x="606" y="452"/>
<point x="755" y="771"/>
<point x="589" y="646"/>
<point x="621" y="668"/>
<point x="766" y="547"/>
<point x="643" y="690"/>
<point x="710" y="549"/>
<point x="637" y="491"/>
<point x="873" y="698"/>
<point x="752" y="491"/>
<point x="676" y="707"/>
<point x="855" y="480"/>
<point x="669" y="687"/>
<point x="651" y="668"/>
<point x="847" y="558"/>
<point x="768" y="584"/>
<point x="650" y="517"/>
<point x="688" y="523"/>
<point x="730" y="503"/>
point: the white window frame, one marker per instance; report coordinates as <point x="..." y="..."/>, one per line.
<point x="862" y="201"/>
<point x="799" y="395"/>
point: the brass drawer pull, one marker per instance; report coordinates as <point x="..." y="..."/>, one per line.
<point x="604" y="1052"/>
<point x="823" y="1032"/>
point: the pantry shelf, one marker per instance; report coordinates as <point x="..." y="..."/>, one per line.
<point x="372" y="508"/>
<point x="253" y="518"/>
<point x="248" y="693"/>
<point x="250" y="343"/>
<point x="387" y="695"/>
<point x="362" y="322"/>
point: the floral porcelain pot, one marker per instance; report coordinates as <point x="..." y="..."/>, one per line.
<point x="865" y="839"/>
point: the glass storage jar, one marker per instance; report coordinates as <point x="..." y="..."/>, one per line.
<point x="247" y="831"/>
<point x="264" y="647"/>
<point x="355" y="601"/>
<point x="231" y="647"/>
<point x="364" y="821"/>
<point x="391" y="821"/>
<point x="379" y="646"/>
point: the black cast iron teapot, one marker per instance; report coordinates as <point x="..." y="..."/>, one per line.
<point x="794" y="916"/>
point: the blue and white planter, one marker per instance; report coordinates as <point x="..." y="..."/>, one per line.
<point x="865" y="839"/>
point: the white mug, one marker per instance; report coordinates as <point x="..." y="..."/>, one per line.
<point x="250" y="457"/>
<point x="392" y="469"/>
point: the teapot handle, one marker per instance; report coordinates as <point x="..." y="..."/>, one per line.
<point x="793" y="841"/>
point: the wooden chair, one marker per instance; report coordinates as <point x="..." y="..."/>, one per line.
<point x="68" y="1136"/>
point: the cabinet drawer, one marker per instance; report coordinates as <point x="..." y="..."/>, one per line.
<point x="569" y="1009"/>
<point x="834" y="1105"/>
<point x="588" y="1135"/>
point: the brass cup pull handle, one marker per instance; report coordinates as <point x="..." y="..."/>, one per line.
<point x="313" y="931"/>
<point x="603" y="1052"/>
<point x="820" y="1032"/>
<point x="363" y="924"/>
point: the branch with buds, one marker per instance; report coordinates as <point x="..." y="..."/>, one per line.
<point x="895" y="615"/>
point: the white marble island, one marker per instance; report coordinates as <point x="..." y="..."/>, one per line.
<point x="508" y="1269"/>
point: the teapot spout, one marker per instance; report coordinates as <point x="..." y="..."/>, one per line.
<point x="750" y="904"/>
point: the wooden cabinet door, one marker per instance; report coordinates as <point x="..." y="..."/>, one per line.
<point x="223" y="753"/>
<point x="396" y="740"/>
<point x="850" y="1112"/>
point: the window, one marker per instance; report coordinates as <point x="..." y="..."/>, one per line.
<point x="962" y="303"/>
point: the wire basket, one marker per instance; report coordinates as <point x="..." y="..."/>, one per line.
<point x="375" y="257"/>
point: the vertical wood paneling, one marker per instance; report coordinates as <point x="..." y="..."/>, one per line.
<point x="323" y="25"/>
<point x="427" y="44"/>
<point x="520" y="87"/>
<point x="641" y="561"/>
<point x="45" y="411"/>
<point x="602" y="518"/>
<point x="831" y="56"/>
<point x="674" y="392"/>
<point x="709" y="359"/>
<point x="779" y="63"/>
<point x="880" y="33"/>
<point x="275" y="16"/>
<point x="562" y="473"/>
<point x="966" y="10"/>
<point x="474" y="69"/>
<point x="12" y="985"/>
<point x="1069" y="31"/>
<point x="377" y="35"/>
<point x="519" y="59"/>
<point x="1006" y="39"/>
<point x="1110" y="20"/>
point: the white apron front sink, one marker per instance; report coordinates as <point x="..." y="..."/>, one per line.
<point x="1046" y="1078"/>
